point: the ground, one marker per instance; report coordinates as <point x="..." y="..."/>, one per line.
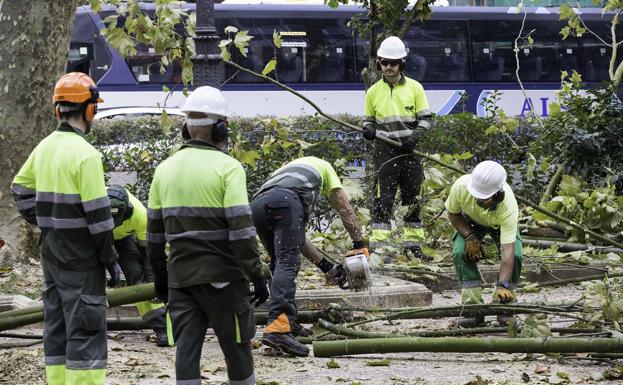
<point x="134" y="360"/>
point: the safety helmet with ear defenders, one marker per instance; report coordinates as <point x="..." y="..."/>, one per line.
<point x="120" y="206"/>
<point x="210" y="102"/>
<point x="76" y="91"/>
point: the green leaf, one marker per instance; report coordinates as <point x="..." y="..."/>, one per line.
<point x="224" y="43"/>
<point x="95" y="5"/>
<point x="531" y="166"/>
<point x="463" y="156"/>
<point x="565" y="12"/>
<point x="530" y="40"/>
<point x="570" y="186"/>
<point x="554" y="108"/>
<point x="166" y="122"/>
<point x="378" y="363"/>
<point x="241" y="41"/>
<point x="187" y="71"/>
<point x="277" y="38"/>
<point x="491" y="130"/>
<point x="165" y="89"/>
<point x="231" y="29"/>
<point x="332" y="364"/>
<point x="270" y="67"/>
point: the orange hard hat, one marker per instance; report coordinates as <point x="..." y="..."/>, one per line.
<point x="77" y="88"/>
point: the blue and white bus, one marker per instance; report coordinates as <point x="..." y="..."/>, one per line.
<point x="461" y="50"/>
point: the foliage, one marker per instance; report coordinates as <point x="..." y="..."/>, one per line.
<point x="603" y="300"/>
<point x="586" y="131"/>
<point x="598" y="209"/>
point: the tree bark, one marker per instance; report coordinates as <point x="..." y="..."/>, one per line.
<point x="35" y="39"/>
<point x="467" y="345"/>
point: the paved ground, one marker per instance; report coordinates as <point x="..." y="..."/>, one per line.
<point x="133" y="360"/>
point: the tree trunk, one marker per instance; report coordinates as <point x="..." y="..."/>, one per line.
<point x="467" y="345"/>
<point x="35" y="39"/>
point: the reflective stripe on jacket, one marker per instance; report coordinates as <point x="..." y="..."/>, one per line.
<point x="61" y="184"/>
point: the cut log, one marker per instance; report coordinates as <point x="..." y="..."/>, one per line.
<point x="568" y="246"/>
<point x="467" y="345"/>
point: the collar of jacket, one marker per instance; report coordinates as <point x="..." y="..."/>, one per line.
<point x="200" y="144"/>
<point x="66" y="127"/>
<point x="400" y="81"/>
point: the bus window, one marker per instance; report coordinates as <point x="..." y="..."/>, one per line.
<point x="596" y="54"/>
<point x="549" y="54"/>
<point x="493" y="59"/>
<point x="362" y="50"/>
<point x="88" y="51"/>
<point x="330" y="55"/>
<point x="145" y="66"/>
<point x="438" y="51"/>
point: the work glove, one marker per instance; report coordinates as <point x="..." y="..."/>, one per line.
<point x="260" y="291"/>
<point x="473" y="250"/>
<point x="504" y="295"/>
<point x="115" y="274"/>
<point x="409" y="145"/>
<point x="369" y="132"/>
<point x="161" y="284"/>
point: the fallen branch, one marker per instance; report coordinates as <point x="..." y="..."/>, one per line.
<point x="568" y="246"/>
<point x="563" y="282"/>
<point x="18" y="344"/>
<point x="467" y="345"/>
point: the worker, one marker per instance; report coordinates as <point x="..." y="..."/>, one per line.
<point x="396" y="108"/>
<point x="281" y="208"/>
<point x="61" y="189"/>
<point x="198" y="204"/>
<point x="483" y="203"/>
<point x="130" y="218"/>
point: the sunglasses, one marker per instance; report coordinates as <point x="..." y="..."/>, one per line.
<point x="391" y="63"/>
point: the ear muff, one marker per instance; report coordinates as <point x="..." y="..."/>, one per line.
<point x="57" y="111"/>
<point x="88" y="112"/>
<point x="497" y="199"/>
<point x="219" y="131"/>
<point x="378" y="65"/>
<point x="185" y="133"/>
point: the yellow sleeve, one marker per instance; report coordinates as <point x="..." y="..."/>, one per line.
<point x="330" y="180"/>
<point x="139" y="218"/>
<point x="453" y="203"/>
<point x="235" y="187"/>
<point x="91" y="182"/>
<point x="25" y="176"/>
<point x="369" y="106"/>
<point x="421" y="101"/>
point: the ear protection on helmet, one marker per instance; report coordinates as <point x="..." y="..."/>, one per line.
<point x="498" y="198"/>
<point x="120" y="206"/>
<point x="88" y="108"/>
<point x="219" y="131"/>
<point x="401" y="66"/>
<point x="185" y="133"/>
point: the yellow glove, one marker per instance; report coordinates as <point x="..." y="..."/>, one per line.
<point x="504" y="295"/>
<point x="472" y="248"/>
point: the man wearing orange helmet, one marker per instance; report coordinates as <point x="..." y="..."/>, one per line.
<point x="61" y="189"/>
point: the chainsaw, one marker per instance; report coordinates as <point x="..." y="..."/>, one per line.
<point x="354" y="272"/>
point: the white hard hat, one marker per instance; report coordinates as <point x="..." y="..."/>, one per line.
<point x="392" y="48"/>
<point x="206" y="100"/>
<point x="487" y="178"/>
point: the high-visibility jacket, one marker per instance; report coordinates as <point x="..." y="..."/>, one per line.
<point x="308" y="177"/>
<point x="61" y="188"/>
<point x="400" y="110"/>
<point x="136" y="224"/>
<point x="198" y="204"/>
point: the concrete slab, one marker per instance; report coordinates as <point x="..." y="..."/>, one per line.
<point x="385" y="292"/>
<point x="12" y="302"/>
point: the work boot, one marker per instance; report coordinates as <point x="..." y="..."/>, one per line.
<point x="472" y="322"/>
<point x="299" y="330"/>
<point x="162" y="338"/>
<point x="286" y="343"/>
<point x="417" y="252"/>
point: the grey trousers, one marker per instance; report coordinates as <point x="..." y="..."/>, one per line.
<point x="74" y="306"/>
<point x="230" y="314"/>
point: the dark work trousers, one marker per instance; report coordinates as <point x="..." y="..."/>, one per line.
<point x="280" y="222"/>
<point x="132" y="263"/>
<point x="74" y="331"/>
<point x="405" y="172"/>
<point x="230" y="314"/>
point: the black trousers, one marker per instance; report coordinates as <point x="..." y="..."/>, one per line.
<point x="396" y="169"/>
<point x="279" y="218"/>
<point x="230" y="314"/>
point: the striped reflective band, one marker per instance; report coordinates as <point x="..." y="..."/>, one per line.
<point x="21" y="190"/>
<point x="53" y="197"/>
<point x="395" y="134"/>
<point x="396" y="118"/>
<point x="89" y="364"/>
<point x="95" y="204"/>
